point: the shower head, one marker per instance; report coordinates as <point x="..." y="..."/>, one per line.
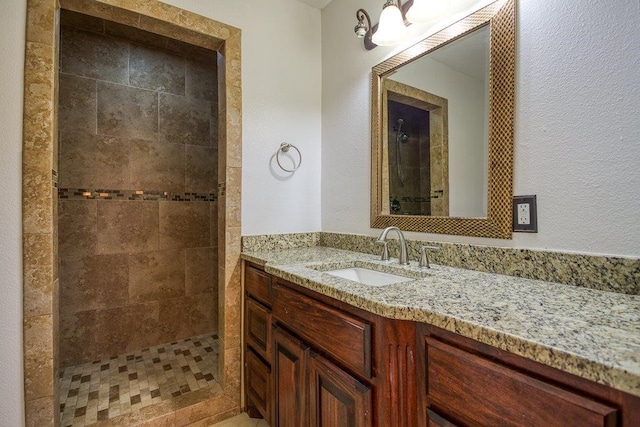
<point x="400" y="121"/>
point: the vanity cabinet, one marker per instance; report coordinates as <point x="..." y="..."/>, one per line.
<point x="311" y="360"/>
<point x="325" y="368"/>
<point x="258" y="342"/>
<point x="463" y="382"/>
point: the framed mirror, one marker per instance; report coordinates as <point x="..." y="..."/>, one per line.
<point x="442" y="130"/>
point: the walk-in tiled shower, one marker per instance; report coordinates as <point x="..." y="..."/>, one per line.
<point x="137" y="218"/>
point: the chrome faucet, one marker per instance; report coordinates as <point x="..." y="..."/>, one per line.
<point x="382" y="240"/>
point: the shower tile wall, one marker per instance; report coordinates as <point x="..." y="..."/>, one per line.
<point x="137" y="210"/>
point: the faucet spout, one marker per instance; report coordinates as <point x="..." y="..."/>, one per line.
<point x="382" y="239"/>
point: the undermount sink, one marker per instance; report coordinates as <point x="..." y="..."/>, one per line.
<point x="368" y="277"/>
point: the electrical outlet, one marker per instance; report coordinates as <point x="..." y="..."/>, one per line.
<point x="524" y="214"/>
<point x="524" y="218"/>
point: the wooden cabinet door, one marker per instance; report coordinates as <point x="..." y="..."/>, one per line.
<point x="258" y="385"/>
<point x="336" y="399"/>
<point x="258" y="328"/>
<point x="289" y="365"/>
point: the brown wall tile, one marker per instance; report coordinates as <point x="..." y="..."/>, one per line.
<point x="127" y="111"/>
<point x="156" y="275"/>
<point x="184" y="120"/>
<point x="199" y="276"/>
<point x="79" y="21"/>
<point x="185" y="317"/>
<point x="156" y="70"/>
<point x="200" y="169"/>
<point x="93" y="55"/>
<point x="77" y="337"/>
<point x="93" y="161"/>
<point x="184" y="224"/>
<point x="127" y="226"/>
<point x="213" y="217"/>
<point x="41" y="19"/>
<point x="78" y="227"/>
<point x="94" y="282"/>
<point x="202" y="79"/>
<point x="77" y="104"/>
<point x="124" y="329"/>
<point x="157" y="166"/>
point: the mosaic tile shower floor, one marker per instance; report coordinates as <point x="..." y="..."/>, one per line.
<point x="107" y="388"/>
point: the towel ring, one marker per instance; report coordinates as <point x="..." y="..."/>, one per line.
<point x="284" y="147"/>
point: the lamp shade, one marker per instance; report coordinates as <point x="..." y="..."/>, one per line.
<point x="391" y="28"/>
<point x="423" y="11"/>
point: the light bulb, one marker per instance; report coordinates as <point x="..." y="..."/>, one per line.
<point x="423" y="11"/>
<point x="391" y="28"/>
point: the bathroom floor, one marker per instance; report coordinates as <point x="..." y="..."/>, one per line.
<point x="107" y="388"/>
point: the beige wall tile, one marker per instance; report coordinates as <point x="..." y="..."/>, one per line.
<point x="213" y="217"/>
<point x="78" y="227"/>
<point x="184" y="120"/>
<point x="93" y="161"/>
<point x="156" y="70"/>
<point x="77" y="337"/>
<point x="38" y="274"/>
<point x="205" y="25"/>
<point x="203" y="410"/>
<point x="233" y="199"/>
<point x="200" y="169"/>
<point x="158" y="10"/>
<point x="107" y="9"/>
<point x="37" y="201"/>
<point x="233" y="367"/>
<point x="184" y="224"/>
<point x="41" y="19"/>
<point x="199" y="271"/>
<point x="157" y="166"/>
<point x="38" y="357"/>
<point x="93" y="282"/>
<point x="39" y="95"/>
<point x="40" y="412"/>
<point x="77" y="104"/>
<point x="127" y="111"/>
<point x="93" y="55"/>
<point x="156" y="275"/>
<point x="127" y="226"/>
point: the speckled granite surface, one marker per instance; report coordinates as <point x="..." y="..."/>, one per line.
<point x="589" y="333"/>
<point x="615" y="274"/>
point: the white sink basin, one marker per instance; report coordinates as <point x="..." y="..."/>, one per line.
<point x="367" y="277"/>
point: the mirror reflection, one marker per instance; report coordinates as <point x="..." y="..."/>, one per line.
<point x="435" y="113"/>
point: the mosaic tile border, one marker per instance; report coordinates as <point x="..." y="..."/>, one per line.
<point x="109" y="194"/>
<point x="613" y="274"/>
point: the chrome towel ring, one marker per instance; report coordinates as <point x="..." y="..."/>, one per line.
<point x="284" y="147"/>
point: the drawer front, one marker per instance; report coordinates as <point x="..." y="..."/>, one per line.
<point x="482" y="392"/>
<point x="258" y="328"/>
<point x="257" y="283"/>
<point x="258" y="384"/>
<point x="344" y="337"/>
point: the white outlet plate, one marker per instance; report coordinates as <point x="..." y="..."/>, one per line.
<point x="524" y="217"/>
<point x="524" y="214"/>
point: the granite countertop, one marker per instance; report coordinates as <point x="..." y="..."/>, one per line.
<point x="592" y="334"/>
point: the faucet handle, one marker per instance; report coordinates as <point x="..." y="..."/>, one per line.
<point x="424" y="258"/>
<point x="385" y="250"/>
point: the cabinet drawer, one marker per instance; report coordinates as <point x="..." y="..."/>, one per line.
<point x="481" y="392"/>
<point x="340" y="335"/>
<point x="258" y="384"/>
<point x="258" y="328"/>
<point x="257" y="283"/>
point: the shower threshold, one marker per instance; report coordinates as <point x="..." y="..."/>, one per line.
<point x="108" y="388"/>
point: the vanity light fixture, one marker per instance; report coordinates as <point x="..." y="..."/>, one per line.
<point x="394" y="19"/>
